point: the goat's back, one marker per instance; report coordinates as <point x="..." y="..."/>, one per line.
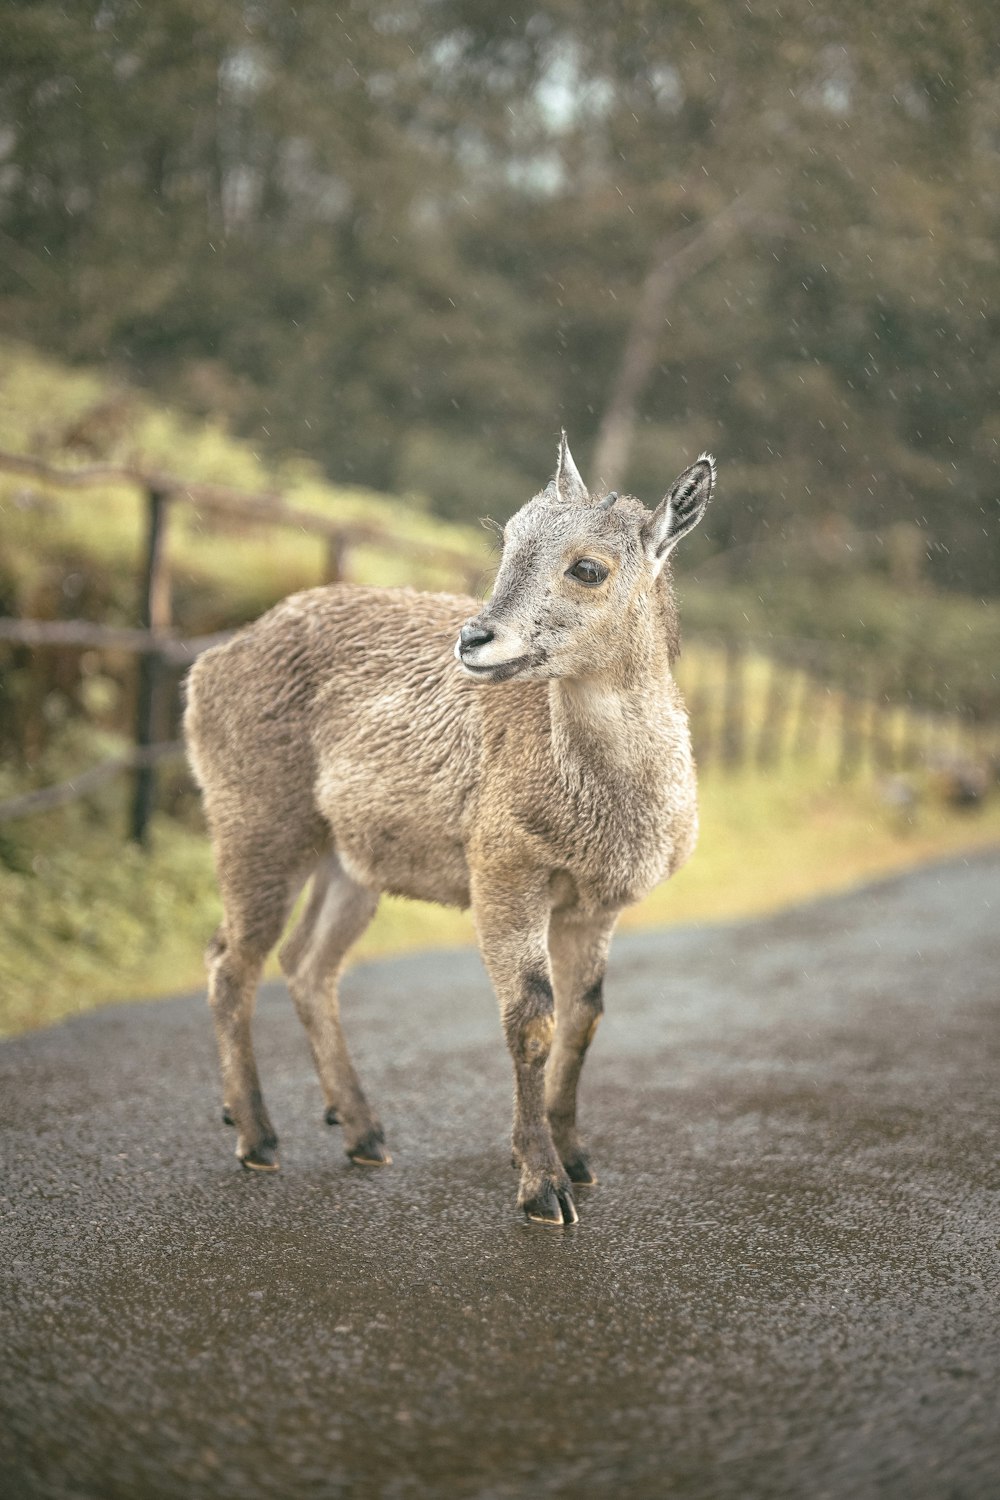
<point x="339" y="714"/>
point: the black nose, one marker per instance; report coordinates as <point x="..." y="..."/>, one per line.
<point x="473" y="635"/>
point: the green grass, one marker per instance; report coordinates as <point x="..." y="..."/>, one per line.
<point x="89" y="919"/>
<point x="939" y="649"/>
<point x="222" y="570"/>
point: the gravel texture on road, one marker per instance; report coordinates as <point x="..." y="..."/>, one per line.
<point x="786" y="1283"/>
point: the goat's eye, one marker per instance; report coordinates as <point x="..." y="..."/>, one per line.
<point x="588" y="571"/>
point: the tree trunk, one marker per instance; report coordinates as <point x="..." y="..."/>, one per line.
<point x="676" y="259"/>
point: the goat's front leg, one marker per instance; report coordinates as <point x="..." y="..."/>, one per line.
<point x="578" y="947"/>
<point x="512" y="939"/>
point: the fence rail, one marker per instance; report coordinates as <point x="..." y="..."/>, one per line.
<point x="810" y="701"/>
<point x="45" y="798"/>
<point x="86" y="634"/>
<point x="752" y="708"/>
<point x="153" y="639"/>
<point x="266" y="506"/>
<point x="795" y="713"/>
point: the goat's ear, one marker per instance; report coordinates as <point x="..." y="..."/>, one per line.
<point x="680" y="510"/>
<point x="567" y="485"/>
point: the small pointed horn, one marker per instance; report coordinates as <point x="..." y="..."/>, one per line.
<point x="568" y="482"/>
<point x="607" y="502"/>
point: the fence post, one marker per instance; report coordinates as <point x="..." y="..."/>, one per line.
<point x="883" y="728"/>
<point x="805" y="712"/>
<point x="697" y="701"/>
<point x="154" y="611"/>
<point x="851" y="740"/>
<point x="335" y="563"/>
<point x="733" y="707"/>
<point x="777" y="705"/>
<point x="909" y="750"/>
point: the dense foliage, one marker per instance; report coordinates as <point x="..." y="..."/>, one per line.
<point x="408" y="238"/>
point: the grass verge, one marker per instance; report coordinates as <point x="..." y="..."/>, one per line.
<point x="89" y="920"/>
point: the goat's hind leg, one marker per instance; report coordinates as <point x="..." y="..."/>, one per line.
<point x="337" y="914"/>
<point x="255" y="913"/>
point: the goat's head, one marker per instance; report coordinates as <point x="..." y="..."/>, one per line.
<point x="574" y="591"/>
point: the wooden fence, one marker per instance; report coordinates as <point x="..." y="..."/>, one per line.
<point x="751" y="704"/>
<point x="762" y="704"/>
<point x="153" y="640"/>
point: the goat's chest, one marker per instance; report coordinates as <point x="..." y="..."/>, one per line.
<point x="636" y="833"/>
<point x="616" y="830"/>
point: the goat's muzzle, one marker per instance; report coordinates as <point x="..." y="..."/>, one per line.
<point x="490" y="654"/>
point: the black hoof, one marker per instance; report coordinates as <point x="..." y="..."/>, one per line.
<point x="227" y="1118"/>
<point x="569" y="1213"/>
<point x="580" y="1172"/>
<point x="551" y="1206"/>
<point x="370" y="1151"/>
<point x="331" y="1117"/>
<point x="262" y="1158"/>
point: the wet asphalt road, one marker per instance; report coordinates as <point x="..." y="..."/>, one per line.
<point x="785" y="1285"/>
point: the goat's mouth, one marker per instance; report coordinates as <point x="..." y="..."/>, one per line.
<point x="495" y="671"/>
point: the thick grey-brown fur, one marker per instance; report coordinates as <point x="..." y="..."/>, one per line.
<point x="543" y="778"/>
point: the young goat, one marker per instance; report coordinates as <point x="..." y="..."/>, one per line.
<point x="533" y="762"/>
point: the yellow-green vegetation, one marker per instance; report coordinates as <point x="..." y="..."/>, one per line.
<point x="939" y="648"/>
<point x="221" y="569"/>
<point x="768" y="841"/>
<point x="89" y="919"/>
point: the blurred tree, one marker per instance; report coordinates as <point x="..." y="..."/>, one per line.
<point x="410" y="238"/>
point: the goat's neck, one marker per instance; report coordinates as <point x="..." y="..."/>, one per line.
<point x="613" y="719"/>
